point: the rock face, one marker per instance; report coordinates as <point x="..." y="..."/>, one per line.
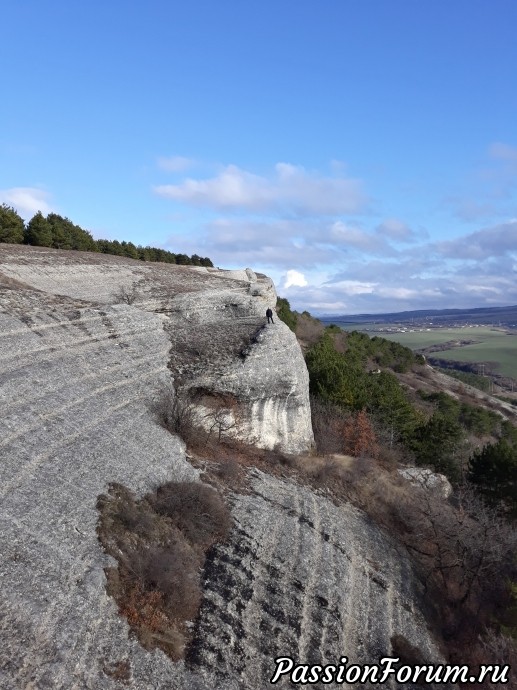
<point x="222" y="359"/>
<point x="79" y="379"/>
<point x="245" y="379"/>
<point x="303" y="578"/>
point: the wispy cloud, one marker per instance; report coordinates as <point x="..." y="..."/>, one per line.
<point x="396" y="230"/>
<point x="175" y="163"/>
<point x="503" y="152"/>
<point x="351" y="237"/>
<point x="477" y="269"/>
<point x="289" y="189"/>
<point x="471" y="210"/>
<point x="489" y="191"/>
<point x="297" y="243"/>
<point x="329" y="252"/>
<point x="27" y="200"/>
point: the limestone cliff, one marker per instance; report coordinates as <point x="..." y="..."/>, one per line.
<point x="221" y="350"/>
<point x="241" y="375"/>
<point x="79" y="376"/>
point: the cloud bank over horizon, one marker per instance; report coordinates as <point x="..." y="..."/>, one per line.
<point x="266" y="135"/>
<point x="330" y="248"/>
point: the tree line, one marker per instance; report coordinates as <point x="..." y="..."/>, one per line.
<point x="61" y="233"/>
<point x="434" y="433"/>
<point x="370" y="400"/>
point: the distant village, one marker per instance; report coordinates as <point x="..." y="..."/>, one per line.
<point x="430" y="326"/>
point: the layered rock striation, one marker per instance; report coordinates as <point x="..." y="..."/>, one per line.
<point x="80" y="376"/>
<point x="243" y="378"/>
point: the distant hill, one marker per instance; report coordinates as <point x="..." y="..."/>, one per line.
<point x="506" y="316"/>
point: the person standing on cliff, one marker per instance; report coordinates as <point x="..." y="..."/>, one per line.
<point x="269" y="314"/>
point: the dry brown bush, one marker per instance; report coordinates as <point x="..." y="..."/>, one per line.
<point x="359" y="436"/>
<point x="328" y="424"/>
<point x="160" y="542"/>
<point x="171" y="573"/>
<point x="197" y="510"/>
<point x="308" y="330"/>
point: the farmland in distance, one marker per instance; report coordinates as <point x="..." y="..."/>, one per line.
<point x="495" y="348"/>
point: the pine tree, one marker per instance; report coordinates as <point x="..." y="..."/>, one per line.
<point x="493" y="470"/>
<point x="39" y="231"/>
<point x="11" y="225"/>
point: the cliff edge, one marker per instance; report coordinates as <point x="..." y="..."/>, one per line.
<point x="88" y="344"/>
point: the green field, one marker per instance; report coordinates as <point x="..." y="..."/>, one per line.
<point x="494" y="346"/>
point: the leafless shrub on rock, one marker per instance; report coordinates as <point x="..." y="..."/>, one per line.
<point x="178" y="417"/>
<point x="221" y="420"/>
<point x="197" y="510"/>
<point x="160" y="542"/>
<point x="126" y="294"/>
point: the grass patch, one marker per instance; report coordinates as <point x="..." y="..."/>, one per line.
<point x="493" y="345"/>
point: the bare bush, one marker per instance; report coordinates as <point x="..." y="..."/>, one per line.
<point x="496" y="648"/>
<point x="228" y="470"/>
<point x="221" y="419"/>
<point x="126" y="294"/>
<point x="173" y="572"/>
<point x="160" y="542"/>
<point x="328" y="422"/>
<point x="308" y="330"/>
<point x="466" y="552"/>
<point x="196" y="509"/>
<point x="178" y="417"/>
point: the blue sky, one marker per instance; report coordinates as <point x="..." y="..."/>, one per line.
<point x="363" y="153"/>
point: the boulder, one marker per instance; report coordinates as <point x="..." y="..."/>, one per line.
<point x="428" y="480"/>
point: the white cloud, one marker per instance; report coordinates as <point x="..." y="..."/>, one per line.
<point x="471" y="209"/>
<point x="294" y="278"/>
<point x="354" y="287"/>
<point x="175" y="163"/>
<point x="27" y="200"/>
<point x="300" y="244"/>
<point x="397" y="293"/>
<point x="288" y="189"/>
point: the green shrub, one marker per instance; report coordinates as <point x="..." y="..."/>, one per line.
<point x="283" y="310"/>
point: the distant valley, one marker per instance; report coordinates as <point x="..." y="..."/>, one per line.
<point x="481" y="341"/>
<point x="500" y="316"/>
